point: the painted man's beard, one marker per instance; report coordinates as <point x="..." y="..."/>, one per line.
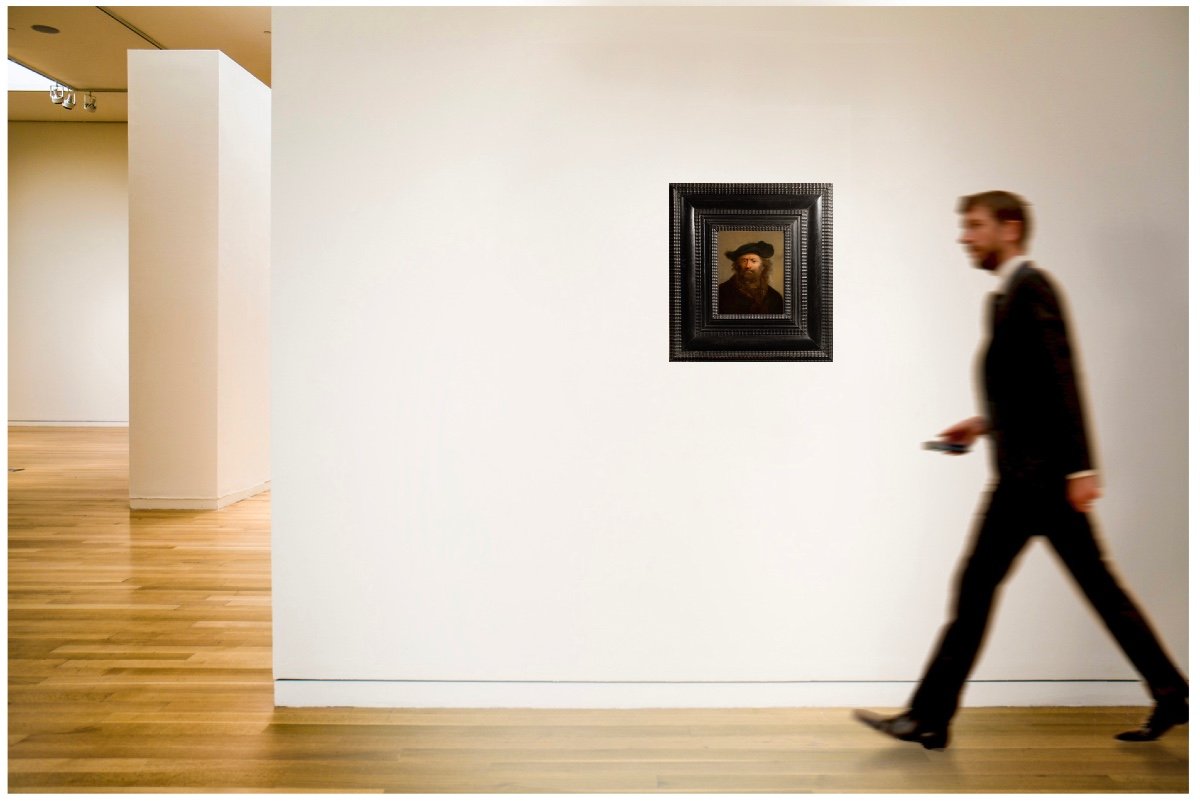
<point x="752" y="285"/>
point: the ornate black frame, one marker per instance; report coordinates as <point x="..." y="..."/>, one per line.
<point x="804" y="214"/>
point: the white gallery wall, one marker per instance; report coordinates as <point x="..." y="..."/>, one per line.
<point x="68" y="274"/>
<point x="486" y="468"/>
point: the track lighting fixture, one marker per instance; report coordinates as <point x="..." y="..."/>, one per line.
<point x="66" y="97"/>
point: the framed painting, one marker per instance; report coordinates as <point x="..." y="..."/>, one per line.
<point x="751" y="272"/>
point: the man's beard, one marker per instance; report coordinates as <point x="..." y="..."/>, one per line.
<point x="752" y="285"/>
<point x="989" y="261"/>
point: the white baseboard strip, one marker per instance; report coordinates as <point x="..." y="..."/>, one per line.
<point x="68" y="423"/>
<point x="170" y="503"/>
<point x="518" y="694"/>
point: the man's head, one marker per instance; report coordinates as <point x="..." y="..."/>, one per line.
<point x="995" y="227"/>
<point x="752" y="262"/>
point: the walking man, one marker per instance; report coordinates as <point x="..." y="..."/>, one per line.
<point x="1046" y="484"/>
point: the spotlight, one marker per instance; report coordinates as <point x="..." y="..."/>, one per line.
<point x="89" y="102"/>
<point x="57" y="94"/>
<point x="69" y="101"/>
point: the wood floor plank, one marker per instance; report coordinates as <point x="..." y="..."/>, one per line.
<point x="140" y="662"/>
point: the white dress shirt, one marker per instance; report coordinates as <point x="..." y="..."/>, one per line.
<point x="1005" y="272"/>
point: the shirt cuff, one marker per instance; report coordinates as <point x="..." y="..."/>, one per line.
<point x="1079" y="474"/>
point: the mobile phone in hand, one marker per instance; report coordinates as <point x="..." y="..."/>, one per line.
<point x="947" y="446"/>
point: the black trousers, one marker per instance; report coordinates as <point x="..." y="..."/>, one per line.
<point x="1014" y="514"/>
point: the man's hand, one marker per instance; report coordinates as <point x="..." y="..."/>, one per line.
<point x="965" y="432"/>
<point x="1082" y="491"/>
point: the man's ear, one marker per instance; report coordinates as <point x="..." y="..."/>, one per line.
<point x="1011" y="230"/>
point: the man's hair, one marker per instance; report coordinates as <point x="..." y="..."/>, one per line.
<point x="1004" y="206"/>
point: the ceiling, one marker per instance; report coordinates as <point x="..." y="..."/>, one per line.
<point x="89" y="50"/>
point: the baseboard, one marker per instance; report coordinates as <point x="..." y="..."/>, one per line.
<point x="68" y="423"/>
<point x="176" y="503"/>
<point x="836" y="694"/>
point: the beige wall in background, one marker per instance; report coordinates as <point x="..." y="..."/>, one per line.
<point x="68" y="277"/>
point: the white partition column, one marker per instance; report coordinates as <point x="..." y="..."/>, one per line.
<point x="199" y="275"/>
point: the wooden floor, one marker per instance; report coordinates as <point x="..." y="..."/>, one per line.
<point x="140" y="654"/>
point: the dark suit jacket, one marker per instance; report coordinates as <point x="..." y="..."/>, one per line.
<point x="1038" y="428"/>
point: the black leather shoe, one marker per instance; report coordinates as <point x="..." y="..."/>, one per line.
<point x="1166" y="715"/>
<point x="906" y="729"/>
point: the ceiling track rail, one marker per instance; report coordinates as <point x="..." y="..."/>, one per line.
<point x="137" y="32"/>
